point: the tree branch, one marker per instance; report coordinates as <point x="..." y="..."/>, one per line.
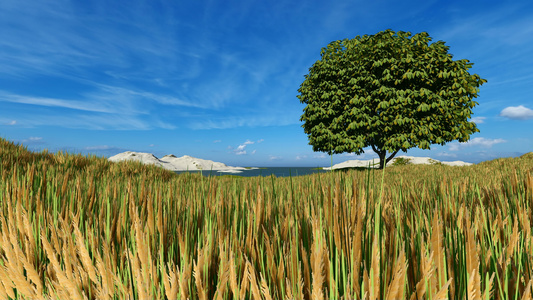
<point x="392" y="156"/>
<point x="376" y="150"/>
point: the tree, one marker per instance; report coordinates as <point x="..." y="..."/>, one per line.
<point x="391" y="91"/>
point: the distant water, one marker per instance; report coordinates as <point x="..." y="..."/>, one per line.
<point x="276" y="171"/>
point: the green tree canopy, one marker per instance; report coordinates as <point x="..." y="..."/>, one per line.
<point x="390" y="91"/>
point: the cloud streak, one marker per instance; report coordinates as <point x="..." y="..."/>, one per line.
<point x="51" y="102"/>
<point x="33" y="141"/>
<point x="134" y="59"/>
<point x="478" y="141"/>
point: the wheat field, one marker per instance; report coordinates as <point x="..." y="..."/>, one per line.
<point x="77" y="227"/>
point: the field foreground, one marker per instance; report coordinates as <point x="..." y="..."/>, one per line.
<point x="75" y="227"/>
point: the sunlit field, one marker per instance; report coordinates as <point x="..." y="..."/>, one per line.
<point x="76" y="227"/>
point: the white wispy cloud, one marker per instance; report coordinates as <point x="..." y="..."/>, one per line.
<point x="33" y="140"/>
<point x="320" y="155"/>
<point x="455" y="146"/>
<point x="500" y="23"/>
<point x="274" y="157"/>
<point x="478" y="120"/>
<point x="87" y="121"/>
<point x="209" y="121"/>
<point x="144" y="67"/>
<point x="118" y="95"/>
<point x="517" y="113"/>
<point x="478" y="141"/>
<point x="97" y="148"/>
<point x="131" y="59"/>
<point x="51" y="102"/>
<point x="240" y="150"/>
<point x="101" y="149"/>
<point x="73" y="41"/>
<point x="368" y="154"/>
<point x="10" y="123"/>
<point x="120" y="109"/>
<point x="446" y="154"/>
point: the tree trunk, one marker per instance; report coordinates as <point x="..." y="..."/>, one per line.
<point x="383" y="159"/>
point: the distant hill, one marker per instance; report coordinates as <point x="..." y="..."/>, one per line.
<point x="405" y="159"/>
<point x="173" y="163"/>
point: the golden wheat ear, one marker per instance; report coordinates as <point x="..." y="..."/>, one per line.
<point x="223" y="275"/>
<point x="170" y="280"/>
<point x="317" y="265"/>
<point x="437" y="247"/>
<point x="83" y="254"/>
<point x="395" y="289"/>
<point x="374" y="271"/>
<point x="527" y="291"/>
<point x="254" y="287"/>
<point x="443" y="293"/>
<point x="472" y="262"/>
<point x="233" y="276"/>
<point x="488" y="291"/>
<point x="197" y="274"/>
<point x="245" y="283"/>
<point x="288" y="290"/>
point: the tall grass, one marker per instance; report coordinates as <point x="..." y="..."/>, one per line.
<point x="75" y="227"/>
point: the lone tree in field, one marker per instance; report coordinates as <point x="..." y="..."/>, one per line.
<point x="391" y="91"/>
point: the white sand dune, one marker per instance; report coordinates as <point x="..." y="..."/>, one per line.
<point x="412" y="160"/>
<point x="189" y="163"/>
<point x="173" y="163"/>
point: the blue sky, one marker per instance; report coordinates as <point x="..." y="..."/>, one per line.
<point x="218" y="79"/>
